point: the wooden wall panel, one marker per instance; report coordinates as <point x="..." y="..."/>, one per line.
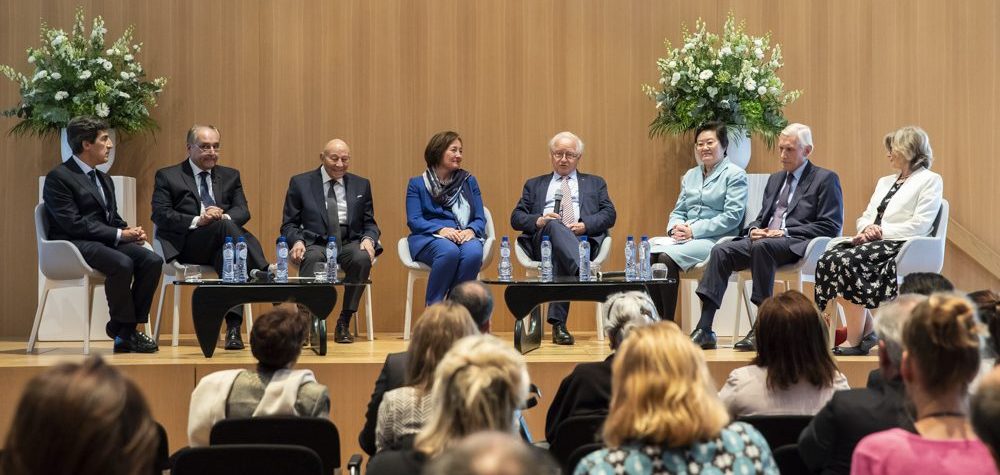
<point x="281" y="78"/>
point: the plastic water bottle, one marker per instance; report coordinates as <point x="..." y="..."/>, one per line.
<point x="505" y="270"/>
<point x="281" y="274"/>
<point x="331" y="259"/>
<point x="584" y="249"/>
<point x="645" y="259"/>
<point x="228" y="258"/>
<point x="241" y="260"/>
<point x="631" y="273"/>
<point x="546" y="265"/>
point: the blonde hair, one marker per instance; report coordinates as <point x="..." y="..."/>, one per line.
<point x="942" y="338"/>
<point x="913" y="144"/>
<point x="662" y="392"/>
<point x="440" y="326"/>
<point x="477" y="386"/>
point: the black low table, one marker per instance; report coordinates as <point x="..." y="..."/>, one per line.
<point x="213" y="298"/>
<point x="525" y="295"/>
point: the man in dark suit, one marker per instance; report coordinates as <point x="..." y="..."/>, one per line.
<point x="196" y="205"/>
<point x="801" y="202"/>
<point x="81" y="207"/>
<point x="585" y="210"/>
<point x="329" y="202"/>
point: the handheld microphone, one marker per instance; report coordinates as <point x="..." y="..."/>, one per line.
<point x="557" y="206"/>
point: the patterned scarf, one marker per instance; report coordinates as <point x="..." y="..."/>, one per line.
<point x="445" y="193"/>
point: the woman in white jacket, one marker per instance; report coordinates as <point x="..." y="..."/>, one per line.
<point x="862" y="268"/>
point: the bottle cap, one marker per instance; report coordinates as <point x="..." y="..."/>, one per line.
<point x="645" y="237"/>
<point x="630" y="238"/>
<point x="282" y="239"/>
<point x="506" y="239"/>
<point x="242" y="239"/>
<point x="583" y="238"/>
<point x="331" y="239"/>
<point x="229" y="239"/>
<point x="545" y="237"/>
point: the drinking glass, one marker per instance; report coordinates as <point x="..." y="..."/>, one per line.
<point x="192" y="273"/>
<point x="659" y="271"/>
<point x="595" y="271"/>
<point x="319" y="271"/>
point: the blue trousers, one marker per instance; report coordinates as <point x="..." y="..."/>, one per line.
<point x="451" y="264"/>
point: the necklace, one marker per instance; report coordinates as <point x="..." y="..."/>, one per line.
<point x="942" y="414"/>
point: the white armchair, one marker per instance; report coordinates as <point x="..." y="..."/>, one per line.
<point x="925" y="254"/>
<point x="417" y="270"/>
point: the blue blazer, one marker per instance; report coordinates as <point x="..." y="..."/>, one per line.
<point x="816" y="209"/>
<point x="425" y="217"/>
<point x="597" y="211"/>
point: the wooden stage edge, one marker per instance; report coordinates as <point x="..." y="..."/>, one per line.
<point x="168" y="377"/>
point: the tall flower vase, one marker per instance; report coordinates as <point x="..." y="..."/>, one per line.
<point x="738" y="151"/>
<point x="67" y="152"/>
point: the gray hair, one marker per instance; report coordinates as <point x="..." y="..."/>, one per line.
<point x="800" y="131"/>
<point x="567" y="135"/>
<point x="626" y="311"/>
<point x="913" y="144"/>
<point x="890" y="320"/>
<point x="192" y="135"/>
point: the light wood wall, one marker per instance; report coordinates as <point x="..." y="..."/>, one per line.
<point x="280" y="78"/>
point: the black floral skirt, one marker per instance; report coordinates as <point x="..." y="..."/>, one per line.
<point x="864" y="274"/>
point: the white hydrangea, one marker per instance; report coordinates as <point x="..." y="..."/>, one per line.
<point x="762" y="90"/>
<point x="124" y="75"/>
<point x="750" y="84"/>
<point x="84" y="75"/>
<point x="712" y="91"/>
<point x="772" y="90"/>
<point x="40" y="75"/>
<point x="102" y="109"/>
<point x="58" y="40"/>
<point x="725" y="51"/>
<point x="127" y="57"/>
<point x="672" y="64"/>
<point x="706" y="74"/>
<point x="55" y="76"/>
<point x="61" y="95"/>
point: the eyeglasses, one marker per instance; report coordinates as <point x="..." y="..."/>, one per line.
<point x="205" y="147"/>
<point x="707" y="143"/>
<point x="569" y="155"/>
<point x="337" y="158"/>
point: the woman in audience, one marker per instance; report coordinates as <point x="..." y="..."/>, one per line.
<point x="940" y="358"/>
<point x="404" y="410"/>
<point x="80" y="419"/>
<point x="862" y="268"/>
<point x="711" y="205"/>
<point x="478" y="386"/>
<point x="988" y="308"/>
<point x="587" y="390"/>
<point x="665" y="416"/>
<point x="444" y="210"/>
<point x="274" y="389"/>
<point x="793" y="372"/>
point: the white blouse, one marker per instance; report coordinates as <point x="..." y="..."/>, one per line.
<point x="911" y="211"/>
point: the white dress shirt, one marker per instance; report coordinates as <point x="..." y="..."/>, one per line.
<point x="796" y="176"/>
<point x="555" y="185"/>
<point x="211" y="192"/>
<point x="340" y="191"/>
<point x="100" y="188"/>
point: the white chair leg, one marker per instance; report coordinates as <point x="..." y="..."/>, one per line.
<point x="600" y="321"/>
<point x="159" y="311"/>
<point x="368" y="313"/>
<point x="248" y="318"/>
<point x="174" y="337"/>
<point x="38" y="317"/>
<point x="739" y="307"/>
<point x="408" y="314"/>
<point x="89" y="286"/>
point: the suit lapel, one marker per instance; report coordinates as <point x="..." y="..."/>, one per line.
<point x="800" y="189"/>
<point x="770" y="199"/>
<point x="188" y="178"/>
<point x="109" y="192"/>
<point x="541" y="189"/>
<point x="316" y="188"/>
<point x="583" y="182"/>
<point x="349" y="198"/>
<point x="86" y="184"/>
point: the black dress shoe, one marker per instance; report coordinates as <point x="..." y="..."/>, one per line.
<point x="132" y="344"/>
<point x="864" y="346"/>
<point x="233" y="339"/>
<point x="342" y="334"/>
<point x="145" y="339"/>
<point x="748" y="343"/>
<point x="560" y="335"/>
<point x="705" y="339"/>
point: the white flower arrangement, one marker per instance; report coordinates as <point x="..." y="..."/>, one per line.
<point x="77" y="74"/>
<point x="727" y="78"/>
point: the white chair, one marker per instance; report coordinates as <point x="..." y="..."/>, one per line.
<point x="63" y="266"/>
<point x="417" y="270"/>
<point x="173" y="271"/>
<point x="925" y="254"/>
<point x="531" y="269"/>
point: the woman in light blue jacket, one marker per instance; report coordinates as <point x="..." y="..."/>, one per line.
<point x="711" y="205"/>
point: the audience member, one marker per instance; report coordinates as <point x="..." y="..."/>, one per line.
<point x="988" y="307"/>
<point x="985" y="413"/>
<point x="793" y="372"/>
<point x="492" y="453"/>
<point x="940" y="358"/>
<point x="665" y="416"/>
<point x="587" y="389"/>
<point x="478" y="386"/>
<point x="81" y="419"/>
<point x="477" y="299"/>
<point x="827" y="443"/>
<point x="404" y="410"/>
<point x="925" y="283"/>
<point x="273" y="389"/>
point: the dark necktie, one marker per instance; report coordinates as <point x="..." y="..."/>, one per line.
<point x="333" y="214"/>
<point x="782" y="206"/>
<point x="206" y="196"/>
<point x="100" y="193"/>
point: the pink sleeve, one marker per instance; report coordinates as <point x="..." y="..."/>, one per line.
<point x="865" y="460"/>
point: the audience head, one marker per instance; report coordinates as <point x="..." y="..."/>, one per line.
<point x="81" y="418"/>
<point x="889" y="322"/>
<point x="662" y="392"/>
<point x="910" y="148"/>
<point x="443" y="147"/>
<point x="985" y="412"/>
<point x="477" y="387"/>
<point x="792" y="342"/>
<point x="988" y="305"/>
<point x="477" y="299"/>
<point x="795" y="144"/>
<point x="566" y="150"/>
<point x="277" y="336"/>
<point x="941" y="345"/>
<point x="925" y="283"/>
<point x="492" y="453"/>
<point x="625" y="311"/>
<point x="203" y="142"/>
<point x="439" y="327"/>
<point x="711" y="140"/>
<point x="336" y="158"/>
<point x="89" y="133"/>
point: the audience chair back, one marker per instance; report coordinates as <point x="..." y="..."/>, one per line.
<point x="573" y="433"/>
<point x="779" y="430"/>
<point x="318" y="434"/>
<point x="789" y="461"/>
<point x="162" y="461"/>
<point x="248" y="460"/>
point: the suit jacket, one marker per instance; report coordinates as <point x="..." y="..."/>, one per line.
<point x="815" y="209"/>
<point x="393" y="376"/>
<point x="911" y="211"/>
<point x="828" y="441"/>
<point x="305" y="216"/>
<point x="176" y="202"/>
<point x="74" y="206"/>
<point x="425" y="217"/>
<point x="586" y="391"/>
<point x="597" y="212"/>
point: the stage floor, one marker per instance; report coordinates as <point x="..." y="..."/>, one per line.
<point x="168" y="377"/>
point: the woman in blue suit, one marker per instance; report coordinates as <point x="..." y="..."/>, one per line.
<point x="711" y="205"/>
<point x="444" y="211"/>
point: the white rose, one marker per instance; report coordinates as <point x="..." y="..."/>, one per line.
<point x="672" y="64"/>
<point x="55" y="76"/>
<point x="706" y="74"/>
<point x="40" y="75"/>
<point x="762" y="90"/>
<point x="773" y="90"/>
<point x="725" y="51"/>
<point x="84" y="75"/>
<point x="31" y="60"/>
<point x="128" y="57"/>
<point x="131" y="75"/>
<point x="676" y="77"/>
<point x="750" y="84"/>
<point x="107" y="65"/>
<point x="724" y="103"/>
<point x="61" y="95"/>
<point x="712" y="91"/>
<point x="58" y="40"/>
<point x="124" y="75"/>
<point x="102" y="109"/>
<point x="110" y="52"/>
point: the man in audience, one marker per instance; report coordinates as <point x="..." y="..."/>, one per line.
<point x="196" y="205"/>
<point x="925" y="283"/>
<point x="329" y="202"/>
<point x="827" y="443"/>
<point x="477" y="299"/>
<point x="801" y="202"/>
<point x="985" y="413"/>
<point x="492" y="453"/>
<point x="585" y="210"/>
<point x="81" y="208"/>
